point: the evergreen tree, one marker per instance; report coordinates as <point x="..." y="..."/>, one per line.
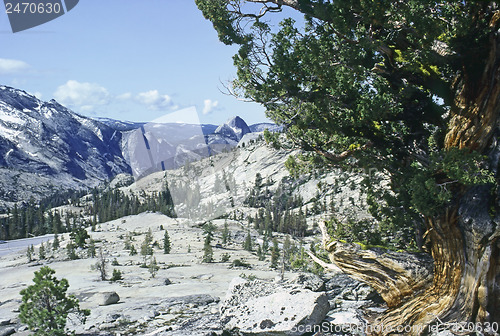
<point x="41" y="252"/>
<point x="153" y="267"/>
<point x="102" y="265"/>
<point x="71" y="252"/>
<point x="146" y="246"/>
<point x="56" y="243"/>
<point x="275" y="254"/>
<point x="410" y="88"/>
<point x="166" y="243"/>
<point x="208" y="254"/>
<point x="45" y="305"/>
<point x="29" y="253"/>
<point x="247" y="244"/>
<point x="117" y="275"/>
<point x="91" y="251"/>
<point x="226" y="235"/>
<point x="133" y="251"/>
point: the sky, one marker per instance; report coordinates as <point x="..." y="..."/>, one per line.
<point x="133" y="60"/>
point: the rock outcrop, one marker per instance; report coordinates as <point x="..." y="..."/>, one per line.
<point x="263" y="308"/>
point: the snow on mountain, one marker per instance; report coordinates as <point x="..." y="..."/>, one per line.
<point x="45" y="147"/>
<point x="44" y="141"/>
<point x="234" y="129"/>
<point x="260" y="127"/>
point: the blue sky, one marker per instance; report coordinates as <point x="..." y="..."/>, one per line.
<point x="126" y="59"/>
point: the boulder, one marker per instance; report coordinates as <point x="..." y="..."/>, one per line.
<point x="7" y="331"/>
<point x="341" y="286"/>
<point x="108" y="298"/>
<point x="167" y="282"/>
<point x="308" y="281"/>
<point x="263" y="308"/>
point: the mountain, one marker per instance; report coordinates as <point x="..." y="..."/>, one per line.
<point x="234" y="129"/>
<point x="260" y="127"/>
<point x="45" y="147"/>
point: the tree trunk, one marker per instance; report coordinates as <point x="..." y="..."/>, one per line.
<point x="464" y="240"/>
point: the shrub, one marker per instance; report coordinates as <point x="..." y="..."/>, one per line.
<point x="45" y="305"/>
<point x="117" y="275"/>
<point x="240" y="263"/>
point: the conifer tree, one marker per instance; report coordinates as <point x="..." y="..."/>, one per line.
<point x="46" y="306"/>
<point x="166" y="243"/>
<point x="407" y="87"/>
<point x="275" y="254"/>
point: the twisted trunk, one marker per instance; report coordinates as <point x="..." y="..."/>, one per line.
<point x="464" y="240"/>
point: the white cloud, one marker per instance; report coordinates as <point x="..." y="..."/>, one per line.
<point x="84" y="96"/>
<point x="38" y="94"/>
<point x="154" y="100"/>
<point x="9" y="66"/>
<point x="209" y="106"/>
<point x="124" y="96"/>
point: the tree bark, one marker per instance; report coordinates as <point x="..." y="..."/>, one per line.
<point x="464" y="240"/>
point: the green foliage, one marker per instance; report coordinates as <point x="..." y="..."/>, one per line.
<point x="240" y="263"/>
<point x="115" y="262"/>
<point x="272" y="139"/>
<point x="133" y="251"/>
<point x="79" y="236"/>
<point x="117" y="275"/>
<point x="45" y="305"/>
<point x="225" y="257"/>
<point x="102" y="266"/>
<point x="300" y="260"/>
<point x="355" y="231"/>
<point x="208" y="253"/>
<point x="249" y="277"/>
<point x="153" y="267"/>
<point x="56" y="243"/>
<point x="433" y="186"/>
<point x="41" y="252"/>
<point x="275" y="254"/>
<point x="372" y="85"/>
<point x="167" y="246"/>
<point x="147" y="244"/>
<point x="30" y="251"/>
<point x="247" y="243"/>
<point x="91" y="251"/>
<point x="226" y="235"/>
<point x="71" y="252"/>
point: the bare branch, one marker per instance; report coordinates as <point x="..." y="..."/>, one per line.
<point x="327" y="266"/>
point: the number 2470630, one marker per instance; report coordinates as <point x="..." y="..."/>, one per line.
<point x="33" y="8"/>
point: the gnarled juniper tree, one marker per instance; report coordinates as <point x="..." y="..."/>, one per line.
<point x="411" y="88"/>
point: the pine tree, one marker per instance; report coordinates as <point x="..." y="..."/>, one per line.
<point x="166" y="243"/>
<point x="226" y="235"/>
<point x="102" y="265"/>
<point x="410" y="87"/>
<point x="29" y="253"/>
<point x="133" y="251"/>
<point x="91" y="252"/>
<point x="275" y="254"/>
<point x="55" y="243"/>
<point x="41" y="252"/>
<point x="153" y="267"/>
<point x="45" y="305"/>
<point x="247" y="244"/>
<point x="71" y="252"/>
<point x="208" y="254"/>
<point x="146" y="246"/>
